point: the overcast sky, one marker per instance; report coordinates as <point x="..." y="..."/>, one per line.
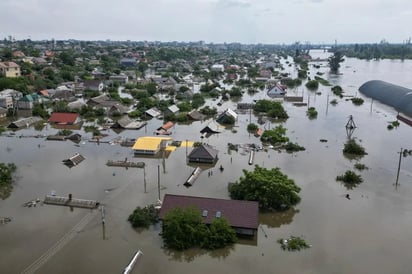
<point x="245" y="21"/>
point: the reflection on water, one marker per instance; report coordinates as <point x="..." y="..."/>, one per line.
<point x="278" y="218"/>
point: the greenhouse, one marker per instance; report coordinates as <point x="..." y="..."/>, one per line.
<point x="398" y="97"/>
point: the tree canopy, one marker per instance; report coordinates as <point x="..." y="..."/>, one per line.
<point x="184" y="228"/>
<point x="335" y="60"/>
<point x="270" y="187"/>
<point x="6" y="179"/>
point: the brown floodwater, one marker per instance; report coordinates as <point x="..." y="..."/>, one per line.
<point x="370" y="233"/>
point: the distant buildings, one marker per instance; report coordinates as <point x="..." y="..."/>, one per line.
<point x="10" y="69"/>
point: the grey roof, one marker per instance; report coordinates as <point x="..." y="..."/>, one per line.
<point x="153" y="112"/>
<point x="196" y="115"/>
<point x="392" y="95"/>
<point x="173" y="109"/>
<point x="24" y="122"/>
<point x="3" y="110"/>
<point x="203" y="152"/>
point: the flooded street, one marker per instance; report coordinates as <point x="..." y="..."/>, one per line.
<point x="370" y="233"/>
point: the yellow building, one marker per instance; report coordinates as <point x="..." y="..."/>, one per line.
<point x="10" y="69"/>
<point x="150" y="145"/>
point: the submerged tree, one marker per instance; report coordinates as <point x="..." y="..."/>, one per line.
<point x="6" y="179"/>
<point x="335" y="60"/>
<point x="270" y="187"/>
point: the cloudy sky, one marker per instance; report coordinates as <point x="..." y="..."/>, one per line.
<point x="245" y="21"/>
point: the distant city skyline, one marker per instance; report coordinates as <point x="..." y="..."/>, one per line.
<point x="212" y="21"/>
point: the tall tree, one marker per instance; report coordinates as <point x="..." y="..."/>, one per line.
<point x="335" y="60"/>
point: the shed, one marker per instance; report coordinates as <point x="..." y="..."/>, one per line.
<point x="242" y="216"/>
<point x="203" y="154"/>
<point x="400" y="98"/>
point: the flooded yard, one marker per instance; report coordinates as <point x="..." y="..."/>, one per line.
<point x="368" y="233"/>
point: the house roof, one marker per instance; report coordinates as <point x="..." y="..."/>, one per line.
<point x="8" y="65"/>
<point x="242" y="214"/>
<point x="203" y="152"/>
<point x="63" y="117"/>
<point x="167" y="126"/>
<point x="196" y="115"/>
<point x="212" y="127"/>
<point x="153" y="112"/>
<point x="228" y="112"/>
<point x="3" y="110"/>
<point x="395" y="96"/>
<point x="149" y="143"/>
<point x="24" y="122"/>
<point x="173" y="109"/>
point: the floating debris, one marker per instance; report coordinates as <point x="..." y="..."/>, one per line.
<point x="5" y="220"/>
<point x="32" y="203"/>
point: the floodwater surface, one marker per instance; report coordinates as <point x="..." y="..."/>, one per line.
<point x="370" y="233"/>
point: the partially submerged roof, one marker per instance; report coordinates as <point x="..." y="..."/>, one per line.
<point x="196" y="115"/>
<point x="64" y="117"/>
<point x="149" y="143"/>
<point x="400" y="98"/>
<point x="153" y="112"/>
<point x="203" y="152"/>
<point x="24" y="122"/>
<point x="212" y="127"/>
<point x="242" y="214"/>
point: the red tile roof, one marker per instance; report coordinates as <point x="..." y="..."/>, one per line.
<point x="242" y="214"/>
<point x="63" y="117"/>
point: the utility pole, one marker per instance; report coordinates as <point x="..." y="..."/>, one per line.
<point x="103" y="221"/>
<point x="158" y="180"/>
<point x="399" y="168"/>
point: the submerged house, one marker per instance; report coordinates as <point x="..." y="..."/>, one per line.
<point x="64" y="118"/>
<point x="127" y="123"/>
<point x="24" y="122"/>
<point x="150" y="145"/>
<point x="277" y="91"/>
<point x="226" y="114"/>
<point x="196" y="115"/>
<point x="211" y="128"/>
<point x="242" y="216"/>
<point x="203" y="154"/>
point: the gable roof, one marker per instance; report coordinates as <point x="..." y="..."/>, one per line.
<point x="24" y="122"/>
<point x="173" y="109"/>
<point x="63" y="117"/>
<point x="228" y="112"/>
<point x="242" y="214"/>
<point x="212" y="127"/>
<point x="203" y="152"/>
<point x="153" y="112"/>
<point x="196" y="115"/>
